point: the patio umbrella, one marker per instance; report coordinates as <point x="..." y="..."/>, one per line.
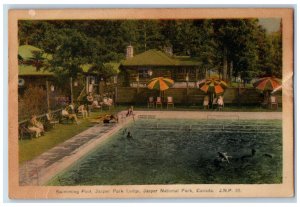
<point x="213" y="85"/>
<point x="267" y="84"/>
<point x="160" y="83"/>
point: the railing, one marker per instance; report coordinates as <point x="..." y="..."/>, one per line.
<point x="230" y="127"/>
<point x="221" y="116"/>
<point x="40" y="116"/>
<point x="146" y="116"/>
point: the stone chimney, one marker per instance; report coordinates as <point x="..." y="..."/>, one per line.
<point x="129" y="52"/>
<point x="168" y="50"/>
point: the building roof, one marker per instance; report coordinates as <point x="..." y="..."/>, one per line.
<point x="28" y="70"/>
<point x="158" y="58"/>
<point x="25" y="51"/>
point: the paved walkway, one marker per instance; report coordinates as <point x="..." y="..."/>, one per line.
<point x="210" y="115"/>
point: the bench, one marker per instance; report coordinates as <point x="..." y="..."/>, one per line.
<point x="24" y="131"/>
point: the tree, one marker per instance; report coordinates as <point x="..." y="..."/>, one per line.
<point x="233" y="47"/>
<point x="73" y="51"/>
<point x="237" y="46"/>
<point x="204" y="46"/>
<point x="37" y="60"/>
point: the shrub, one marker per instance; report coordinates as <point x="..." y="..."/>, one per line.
<point x="33" y="101"/>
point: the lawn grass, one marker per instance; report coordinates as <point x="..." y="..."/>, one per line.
<point x="31" y="148"/>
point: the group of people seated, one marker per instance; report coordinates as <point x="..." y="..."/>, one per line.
<point x="84" y="109"/>
<point x="94" y="103"/>
<point x="217" y="102"/>
<point x="69" y="113"/>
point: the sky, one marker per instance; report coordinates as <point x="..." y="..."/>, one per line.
<point x="271" y="25"/>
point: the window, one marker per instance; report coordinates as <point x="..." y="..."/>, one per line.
<point x="143" y="73"/>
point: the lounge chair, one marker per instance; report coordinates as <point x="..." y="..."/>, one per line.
<point x="206" y="102"/>
<point x="65" y="115"/>
<point x="264" y="104"/>
<point x="95" y="105"/>
<point x="170" y="101"/>
<point x="82" y="111"/>
<point x="150" y="102"/>
<point x="23" y="131"/>
<point x="273" y="102"/>
<point x="158" y="102"/>
<point x="50" y="120"/>
<point x="220" y="102"/>
<point x="107" y="102"/>
<point x="215" y="102"/>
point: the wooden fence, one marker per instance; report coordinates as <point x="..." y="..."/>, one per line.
<point x="131" y="95"/>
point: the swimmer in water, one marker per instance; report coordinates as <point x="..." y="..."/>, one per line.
<point x="129" y="136"/>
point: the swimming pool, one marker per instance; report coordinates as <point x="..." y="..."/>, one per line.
<point x="169" y="151"/>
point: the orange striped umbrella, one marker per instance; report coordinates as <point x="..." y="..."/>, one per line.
<point x="216" y="86"/>
<point x="267" y="84"/>
<point x="160" y="83"/>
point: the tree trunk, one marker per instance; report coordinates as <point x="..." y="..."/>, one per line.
<point x="230" y="70"/>
<point x="71" y="89"/>
<point x="145" y="38"/>
<point x="87" y="83"/>
<point x="225" y="62"/>
<point x="101" y="88"/>
<point x="47" y="92"/>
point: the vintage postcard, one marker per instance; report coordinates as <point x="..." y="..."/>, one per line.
<point x="151" y="103"/>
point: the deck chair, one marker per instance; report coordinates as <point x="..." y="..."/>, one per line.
<point x="23" y="130"/>
<point x="158" y="102"/>
<point x="206" y="102"/>
<point x="65" y="117"/>
<point x="273" y="102"/>
<point x="264" y="104"/>
<point x="150" y="102"/>
<point x="220" y="102"/>
<point x="170" y="101"/>
<point x="82" y="111"/>
<point x="108" y="102"/>
<point x="50" y="120"/>
<point x="215" y="102"/>
<point x="95" y="105"/>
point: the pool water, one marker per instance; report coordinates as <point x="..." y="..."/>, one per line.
<point x="183" y="152"/>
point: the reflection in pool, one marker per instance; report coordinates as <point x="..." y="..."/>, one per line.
<point x="183" y="152"/>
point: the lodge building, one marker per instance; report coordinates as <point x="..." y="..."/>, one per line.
<point x="138" y="69"/>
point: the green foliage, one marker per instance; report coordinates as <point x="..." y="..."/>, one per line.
<point x="37" y="60"/>
<point x="104" y="70"/>
<point x="231" y="47"/>
<point x="32" y="102"/>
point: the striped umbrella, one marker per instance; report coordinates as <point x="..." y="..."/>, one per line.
<point x="160" y="83"/>
<point x="267" y="84"/>
<point x="216" y="86"/>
